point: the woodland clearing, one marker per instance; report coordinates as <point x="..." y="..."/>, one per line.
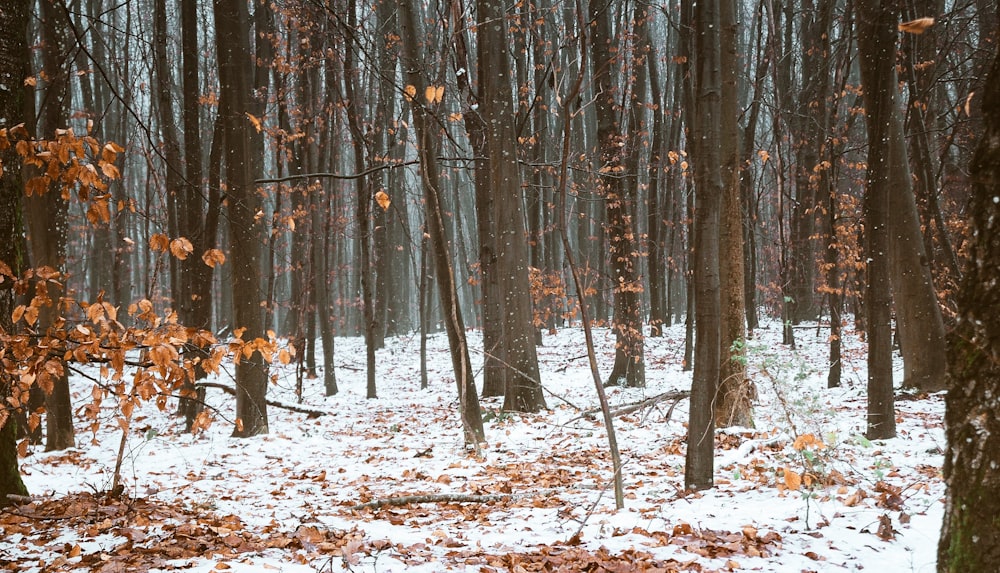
<point x="802" y="491"/>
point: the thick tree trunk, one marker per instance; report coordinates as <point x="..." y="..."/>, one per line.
<point x="523" y="392"/>
<point x="709" y="188"/>
<point x="970" y="538"/>
<point x="46" y="215"/>
<point x="246" y="230"/>
<point x="877" y="49"/>
<point x="14" y="67"/>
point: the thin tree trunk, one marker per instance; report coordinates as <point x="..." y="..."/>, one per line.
<point x="427" y="145"/>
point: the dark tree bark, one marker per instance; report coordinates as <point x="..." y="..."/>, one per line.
<point x="620" y="204"/>
<point x="364" y="203"/>
<point x="494" y="372"/>
<point x="970" y="538"/>
<point x="523" y="392"/>
<point x="14" y="67"/>
<point x="709" y="189"/>
<point x="733" y="403"/>
<point x="877" y="49"/>
<point x="246" y="230"/>
<point x="427" y="146"/>
<point x="46" y="215"/>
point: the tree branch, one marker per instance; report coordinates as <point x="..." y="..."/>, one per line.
<point x="291" y="407"/>
<point x="349" y="176"/>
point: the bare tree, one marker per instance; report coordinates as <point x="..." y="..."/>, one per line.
<point x="970" y="540"/>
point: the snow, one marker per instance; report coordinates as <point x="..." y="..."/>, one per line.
<point x="307" y="473"/>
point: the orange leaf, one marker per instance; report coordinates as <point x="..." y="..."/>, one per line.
<point x="181" y="248"/>
<point x="256" y="122"/>
<point x="159" y="242"/>
<point x="793" y="480"/>
<point x="409" y="92"/>
<point x="383" y="200"/>
<point x="213" y="257"/>
<point x="916" y="26"/>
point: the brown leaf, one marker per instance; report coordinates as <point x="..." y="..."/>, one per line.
<point x="917" y="26"/>
<point x="885" y="530"/>
<point x="793" y="480"/>
<point x="213" y="257"/>
<point x="181" y="248"/>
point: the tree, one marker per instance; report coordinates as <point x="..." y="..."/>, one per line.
<point x="523" y="392"/>
<point x="877" y="49"/>
<point x="46" y="212"/>
<point x="733" y="404"/>
<point x="970" y="538"/>
<point x="246" y="230"/>
<point x="13" y="67"/>
<point x="705" y="133"/>
<point x="619" y="201"/>
<point x="424" y="127"/>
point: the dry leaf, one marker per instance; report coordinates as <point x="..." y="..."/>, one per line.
<point x="181" y="248"/>
<point x="256" y="122"/>
<point x="383" y="200"/>
<point x="213" y="257"/>
<point x="409" y="92"/>
<point x="793" y="480"/>
<point x="916" y="26"/>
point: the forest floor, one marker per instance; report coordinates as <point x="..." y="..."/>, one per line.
<point x="802" y="491"/>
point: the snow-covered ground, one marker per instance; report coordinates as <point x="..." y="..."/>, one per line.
<point x="802" y="491"/>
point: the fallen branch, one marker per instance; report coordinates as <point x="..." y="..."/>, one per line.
<point x="15" y="499"/>
<point x="291" y="407"/>
<point x="433" y="498"/>
<point x="675" y="395"/>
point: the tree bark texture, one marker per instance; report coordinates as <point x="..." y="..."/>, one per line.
<point x="877" y="49"/>
<point x="14" y="58"/>
<point x="246" y="229"/>
<point x="733" y="404"/>
<point x="523" y="392"/>
<point x="970" y="538"/>
<point x="620" y="204"/>
<point x="46" y="215"/>
<point x="709" y="189"/>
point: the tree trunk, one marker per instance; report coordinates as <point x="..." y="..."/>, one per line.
<point x="877" y="49"/>
<point x="246" y="230"/>
<point x="47" y="214"/>
<point x="709" y="189"/>
<point x="733" y="405"/>
<point x="970" y="538"/>
<point x="14" y="67"/>
<point x="427" y="145"/>
<point x="523" y="392"/>
<point x="620" y="206"/>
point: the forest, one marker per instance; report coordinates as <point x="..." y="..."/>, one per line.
<point x="221" y="220"/>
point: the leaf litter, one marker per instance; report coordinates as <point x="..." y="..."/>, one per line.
<point x="387" y="485"/>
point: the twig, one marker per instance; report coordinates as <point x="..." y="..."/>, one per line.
<point x="270" y="402"/>
<point x="19" y="499"/>
<point x="433" y="498"/>
<point x="676" y="395"/>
